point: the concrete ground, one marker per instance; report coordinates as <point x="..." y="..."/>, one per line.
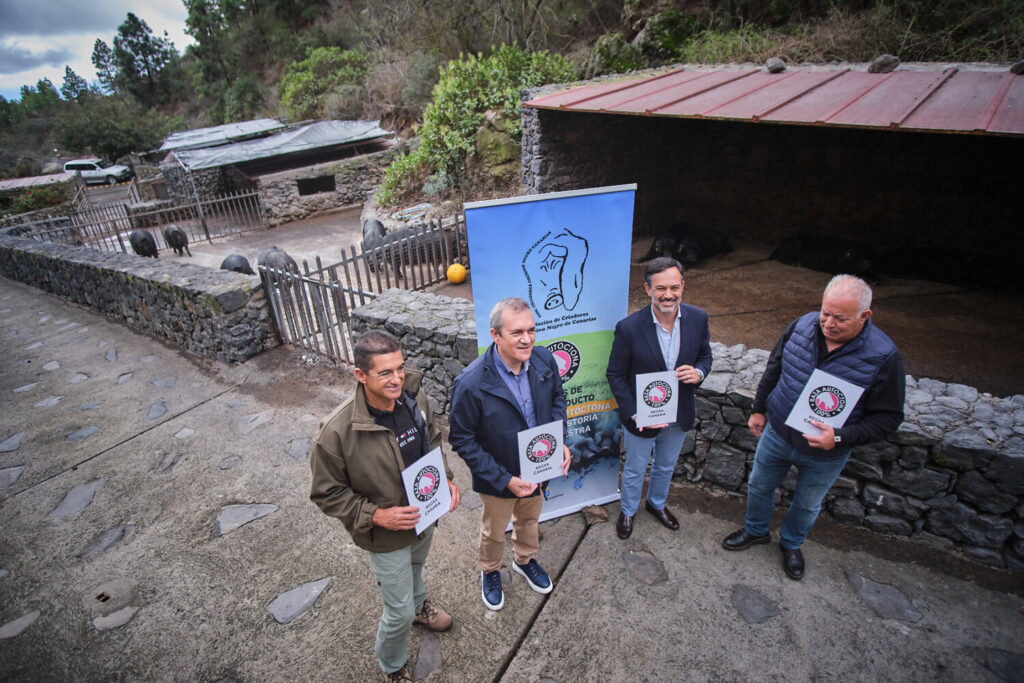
<point x="118" y="455"/>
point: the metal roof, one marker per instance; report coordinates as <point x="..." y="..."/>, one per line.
<point x="924" y="98"/>
<point x="35" y="181"/>
<point x="220" y="135"/>
<point x="319" y="135"/>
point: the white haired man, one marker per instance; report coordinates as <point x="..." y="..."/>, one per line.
<point x="842" y="341"/>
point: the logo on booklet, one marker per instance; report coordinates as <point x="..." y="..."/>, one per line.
<point x="657" y="393"/>
<point x="827" y="401"/>
<point x="425" y="484"/>
<point x="540" y="448"/>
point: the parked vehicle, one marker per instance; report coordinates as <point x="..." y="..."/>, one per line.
<point x="99" y="171"/>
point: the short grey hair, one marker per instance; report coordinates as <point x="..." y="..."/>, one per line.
<point x="851" y="286"/>
<point x="509" y="303"/>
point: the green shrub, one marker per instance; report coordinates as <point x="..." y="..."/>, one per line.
<point x="468" y="87"/>
<point x="305" y="85"/>
<point x="38" y="198"/>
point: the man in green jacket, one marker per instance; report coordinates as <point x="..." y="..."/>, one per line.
<point x="357" y="461"/>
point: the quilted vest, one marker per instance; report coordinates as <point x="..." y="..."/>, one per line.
<point x="858" y="361"/>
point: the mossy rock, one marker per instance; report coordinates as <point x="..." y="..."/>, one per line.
<point x="665" y="34"/>
<point x="612" y="54"/>
<point x="495" y="147"/>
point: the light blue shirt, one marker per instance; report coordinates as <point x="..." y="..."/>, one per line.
<point x="519" y="385"/>
<point x="669" y="340"/>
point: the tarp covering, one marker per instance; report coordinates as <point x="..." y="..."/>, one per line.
<point x="220" y="135"/>
<point x="928" y="97"/>
<point x="319" y="135"/>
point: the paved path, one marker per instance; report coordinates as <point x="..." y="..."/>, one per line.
<point x="128" y="469"/>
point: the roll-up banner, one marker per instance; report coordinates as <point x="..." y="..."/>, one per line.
<point x="567" y="254"/>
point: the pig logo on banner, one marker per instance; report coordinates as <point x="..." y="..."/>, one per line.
<point x="567" y="355"/>
<point x="554" y="270"/>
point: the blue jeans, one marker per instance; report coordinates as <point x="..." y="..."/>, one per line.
<point x="772" y="460"/>
<point x="399" y="575"/>
<point x="665" y="447"/>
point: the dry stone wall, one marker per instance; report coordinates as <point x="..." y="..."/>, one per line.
<point x="951" y="476"/>
<point x="213" y="313"/>
<point x="355" y="180"/>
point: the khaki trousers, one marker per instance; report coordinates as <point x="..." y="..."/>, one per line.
<point x="524" y="513"/>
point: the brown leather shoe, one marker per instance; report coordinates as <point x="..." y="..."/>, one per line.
<point x="624" y="527"/>
<point x="402" y="674"/>
<point x="664" y="516"/>
<point x="433" y="618"/>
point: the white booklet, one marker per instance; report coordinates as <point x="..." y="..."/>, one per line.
<point x="426" y="486"/>
<point x="540" y="452"/>
<point x="825" y="398"/>
<point x="657" y="398"/>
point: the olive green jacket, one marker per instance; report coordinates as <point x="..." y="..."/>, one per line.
<point x="357" y="468"/>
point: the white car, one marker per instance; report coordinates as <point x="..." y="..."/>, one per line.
<point x="98" y="171"/>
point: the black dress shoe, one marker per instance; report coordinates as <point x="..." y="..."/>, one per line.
<point x="793" y="563"/>
<point x="624" y="527"/>
<point x="741" y="540"/>
<point x="664" y="516"/>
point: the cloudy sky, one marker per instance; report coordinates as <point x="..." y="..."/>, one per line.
<point x="39" y="37"/>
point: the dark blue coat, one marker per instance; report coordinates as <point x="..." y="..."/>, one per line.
<point x="635" y="350"/>
<point x="485" y="418"/>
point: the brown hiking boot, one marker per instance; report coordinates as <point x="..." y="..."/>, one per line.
<point x="400" y="675"/>
<point x="432" y="618"/>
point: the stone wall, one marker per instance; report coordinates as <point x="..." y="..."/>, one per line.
<point x="885" y="188"/>
<point x="437" y="335"/>
<point x="213" y="313"/>
<point x="951" y="476"/>
<point x="355" y="178"/>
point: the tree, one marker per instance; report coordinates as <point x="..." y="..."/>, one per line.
<point x="110" y="127"/>
<point x="103" y="62"/>
<point x="141" y="58"/>
<point x="306" y="85"/>
<point x="74" y="86"/>
<point x="40" y="100"/>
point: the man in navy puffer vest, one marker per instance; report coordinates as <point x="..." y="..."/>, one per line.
<point x="842" y="341"/>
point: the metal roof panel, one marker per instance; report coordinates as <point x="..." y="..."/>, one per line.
<point x="918" y="97"/>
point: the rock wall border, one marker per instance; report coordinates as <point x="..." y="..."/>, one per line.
<point x="213" y="313"/>
<point x="951" y="476"/>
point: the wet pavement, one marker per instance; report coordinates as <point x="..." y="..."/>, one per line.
<point x="156" y="526"/>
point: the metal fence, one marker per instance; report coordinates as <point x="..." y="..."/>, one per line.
<point x="311" y="307"/>
<point x="106" y="226"/>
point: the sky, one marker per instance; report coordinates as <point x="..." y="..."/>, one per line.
<point x="39" y="37"/>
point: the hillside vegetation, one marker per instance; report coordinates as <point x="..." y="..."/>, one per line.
<point x="443" y="64"/>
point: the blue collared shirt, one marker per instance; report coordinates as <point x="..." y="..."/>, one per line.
<point x="668" y="341"/>
<point x="519" y="385"/>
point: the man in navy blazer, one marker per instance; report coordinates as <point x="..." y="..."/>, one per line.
<point x="669" y="335"/>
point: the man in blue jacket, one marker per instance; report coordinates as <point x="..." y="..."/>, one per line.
<point x="511" y="387"/>
<point x="842" y="341"/>
<point x="667" y="335"/>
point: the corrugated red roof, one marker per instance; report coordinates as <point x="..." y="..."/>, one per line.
<point x="945" y="99"/>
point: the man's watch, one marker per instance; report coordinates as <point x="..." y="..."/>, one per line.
<point x="838" y="438"/>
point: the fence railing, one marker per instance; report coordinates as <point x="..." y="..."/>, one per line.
<point x="311" y="307"/>
<point x="106" y="226"/>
